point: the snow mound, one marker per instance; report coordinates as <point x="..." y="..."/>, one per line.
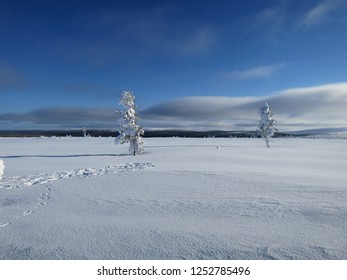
<point x="2" y="167"/>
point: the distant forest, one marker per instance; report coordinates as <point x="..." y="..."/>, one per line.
<point x="148" y="134"/>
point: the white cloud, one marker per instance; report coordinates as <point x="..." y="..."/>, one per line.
<point x="262" y="71"/>
<point x="321" y="106"/>
<point x="298" y="108"/>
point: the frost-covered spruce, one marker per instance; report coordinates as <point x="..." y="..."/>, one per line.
<point x="2" y="167"/>
<point x="130" y="132"/>
<point x="84" y="130"/>
<point x="267" y="124"/>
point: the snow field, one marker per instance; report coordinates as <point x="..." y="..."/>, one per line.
<point x="182" y="199"/>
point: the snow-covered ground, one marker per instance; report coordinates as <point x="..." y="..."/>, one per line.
<point x="85" y="198"/>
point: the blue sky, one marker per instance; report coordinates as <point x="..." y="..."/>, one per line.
<point x="191" y="64"/>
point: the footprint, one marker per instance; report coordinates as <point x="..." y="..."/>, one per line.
<point x="4" y="224"/>
<point x="42" y="203"/>
<point x="44" y="197"/>
<point x="25" y="213"/>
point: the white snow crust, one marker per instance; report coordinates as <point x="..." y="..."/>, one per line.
<point x="213" y="198"/>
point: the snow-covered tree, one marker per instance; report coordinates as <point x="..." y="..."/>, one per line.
<point x="130" y="132"/>
<point x="267" y="124"/>
<point x="84" y="132"/>
<point x="2" y="167"/>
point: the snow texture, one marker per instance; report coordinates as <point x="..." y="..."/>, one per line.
<point x="75" y="198"/>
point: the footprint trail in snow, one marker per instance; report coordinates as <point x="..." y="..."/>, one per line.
<point x="46" y="179"/>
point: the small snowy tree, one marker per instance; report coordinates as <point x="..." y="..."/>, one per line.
<point x="84" y="132"/>
<point x="130" y="132"/>
<point x="267" y="124"/>
<point x="2" y="167"/>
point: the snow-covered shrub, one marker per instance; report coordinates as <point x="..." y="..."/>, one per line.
<point x="2" y="167"/>
<point x="267" y="123"/>
<point x="130" y="132"/>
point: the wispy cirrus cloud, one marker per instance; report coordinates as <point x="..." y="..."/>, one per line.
<point x="317" y="14"/>
<point x="270" y="22"/>
<point x="263" y="71"/>
<point x="321" y="12"/>
<point x="200" y="40"/>
<point x="284" y="19"/>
